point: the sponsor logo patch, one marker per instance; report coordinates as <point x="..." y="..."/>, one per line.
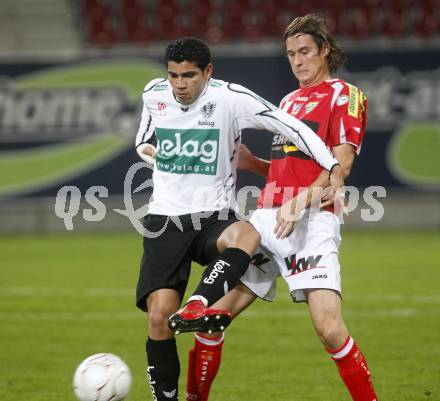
<point x="341" y="100"/>
<point x="161" y="107"/>
<point x="169" y="394"/>
<point x="279" y="139"/>
<point x="160" y="87"/>
<point x="218" y="269"/>
<point x="353" y="103"/>
<point x="300" y="265"/>
<point x="193" y="151"/>
<point x="151" y="382"/>
<point x="216" y="84"/>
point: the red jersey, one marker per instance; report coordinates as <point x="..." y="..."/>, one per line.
<point x="337" y="112"/>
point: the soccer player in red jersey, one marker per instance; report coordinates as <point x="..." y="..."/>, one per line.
<point x="303" y="245"/>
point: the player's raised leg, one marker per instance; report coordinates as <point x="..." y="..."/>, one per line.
<point x="326" y="313"/>
<point x="235" y="244"/>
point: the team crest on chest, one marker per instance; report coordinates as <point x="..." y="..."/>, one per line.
<point x="208" y="109"/>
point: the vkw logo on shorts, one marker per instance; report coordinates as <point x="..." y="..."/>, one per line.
<point x="191" y="151"/>
<point x="302" y="264"/>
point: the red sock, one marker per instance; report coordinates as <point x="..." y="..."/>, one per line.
<point x="208" y="353"/>
<point x="192" y="393"/>
<point x="354" y="371"/>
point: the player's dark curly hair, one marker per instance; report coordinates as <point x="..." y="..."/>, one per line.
<point x="189" y="49"/>
<point x="315" y="26"/>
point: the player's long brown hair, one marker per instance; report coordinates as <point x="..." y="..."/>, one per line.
<point x="315" y="26"/>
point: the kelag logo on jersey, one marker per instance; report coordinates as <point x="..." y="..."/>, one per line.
<point x="192" y="151"/>
<point x="58" y="123"/>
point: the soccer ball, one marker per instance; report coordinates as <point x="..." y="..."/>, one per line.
<point x="102" y="377"/>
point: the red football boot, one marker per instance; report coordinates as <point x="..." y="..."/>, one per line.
<point x="195" y="316"/>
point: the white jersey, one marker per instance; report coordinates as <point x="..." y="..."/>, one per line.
<point x="197" y="144"/>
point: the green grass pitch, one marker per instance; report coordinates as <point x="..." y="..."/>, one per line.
<point x="65" y="297"/>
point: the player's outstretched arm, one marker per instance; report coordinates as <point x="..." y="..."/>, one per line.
<point x="252" y="111"/>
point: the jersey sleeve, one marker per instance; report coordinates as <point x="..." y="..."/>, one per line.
<point x="349" y="117"/>
<point x="145" y="136"/>
<point x="252" y="111"/>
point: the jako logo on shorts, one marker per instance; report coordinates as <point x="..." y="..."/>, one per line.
<point x="191" y="151"/>
<point x="218" y="268"/>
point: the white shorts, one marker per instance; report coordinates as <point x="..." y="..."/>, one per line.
<point x="308" y="258"/>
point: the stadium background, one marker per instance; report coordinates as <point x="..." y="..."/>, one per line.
<point x="71" y="77"/>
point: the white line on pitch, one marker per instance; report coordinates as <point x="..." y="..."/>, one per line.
<point x="129" y="292"/>
<point x="250" y="314"/>
<point x="57" y="291"/>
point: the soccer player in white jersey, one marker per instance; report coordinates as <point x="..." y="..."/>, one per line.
<point x="303" y="249"/>
<point x="190" y="129"/>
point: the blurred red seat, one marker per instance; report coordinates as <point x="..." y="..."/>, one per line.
<point x="100" y="27"/>
<point x="234" y="18"/>
<point x="394" y="23"/>
<point x="427" y="23"/>
<point x="200" y="19"/>
<point x="360" y="24"/>
<point x="133" y="24"/>
<point x="166" y="20"/>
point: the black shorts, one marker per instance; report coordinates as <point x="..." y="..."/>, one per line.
<point x="166" y="261"/>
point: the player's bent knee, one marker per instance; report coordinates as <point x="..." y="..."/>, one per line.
<point x="252" y="241"/>
<point x="240" y="235"/>
<point x="247" y="239"/>
<point x="331" y="334"/>
<point x="158" y="321"/>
